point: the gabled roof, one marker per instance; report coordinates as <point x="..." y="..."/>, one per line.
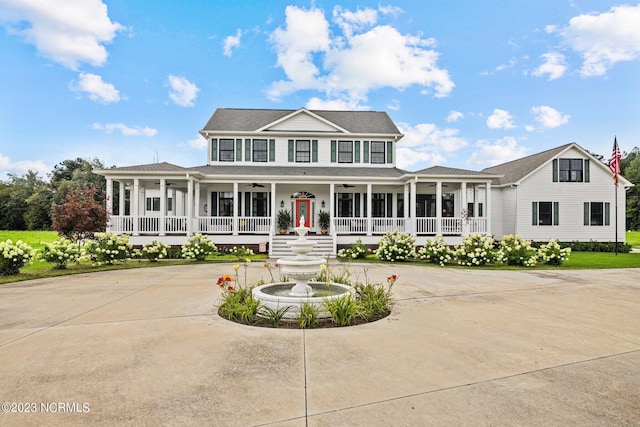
<point x="251" y="120"/>
<point x="513" y="172"/>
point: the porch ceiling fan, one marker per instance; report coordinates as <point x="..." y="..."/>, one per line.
<point x="348" y="185"/>
<point x="255" y="184"/>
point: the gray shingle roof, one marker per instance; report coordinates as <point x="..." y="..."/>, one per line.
<point x="151" y="167"/>
<point x="445" y="171"/>
<point x="250" y="120"/>
<point x="280" y="171"/>
<point x="515" y="170"/>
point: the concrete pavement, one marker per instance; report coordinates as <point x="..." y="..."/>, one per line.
<point x="462" y="347"/>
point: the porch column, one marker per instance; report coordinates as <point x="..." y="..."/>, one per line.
<point x="369" y="209"/>
<point x="405" y="210"/>
<point x="439" y="208"/>
<point x="121" y="199"/>
<point x="135" y="208"/>
<point x="163" y="206"/>
<point x="235" y="208"/>
<point x="487" y="209"/>
<point x="196" y="201"/>
<point x="109" y="203"/>
<point x="190" y="217"/>
<point x="332" y="207"/>
<point x="272" y="228"/>
<point x="414" y="208"/>
<point x="465" y="212"/>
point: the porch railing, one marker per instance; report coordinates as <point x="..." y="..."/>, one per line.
<point x="350" y="225"/>
<point x="254" y="224"/>
<point x="214" y="225"/>
<point x="382" y="225"/>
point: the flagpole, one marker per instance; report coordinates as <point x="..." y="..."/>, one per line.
<point x="615" y="188"/>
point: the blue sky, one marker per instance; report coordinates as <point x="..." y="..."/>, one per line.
<point x="470" y="83"/>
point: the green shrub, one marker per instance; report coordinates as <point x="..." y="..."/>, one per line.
<point x="476" y="249"/>
<point x="154" y="251"/>
<point x="358" y="250"/>
<point x="198" y="247"/>
<point x="239" y="304"/>
<point x="396" y="246"/>
<point x="241" y="252"/>
<point x="374" y="300"/>
<point x="435" y="251"/>
<point x="61" y="252"/>
<point x="514" y="250"/>
<point x="107" y="248"/>
<point x="594" y="246"/>
<point x="552" y="254"/>
<point x="13" y="256"/>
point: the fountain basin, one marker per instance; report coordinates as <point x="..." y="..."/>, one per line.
<point x="278" y="295"/>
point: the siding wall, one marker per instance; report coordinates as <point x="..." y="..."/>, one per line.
<point x="571" y="197"/>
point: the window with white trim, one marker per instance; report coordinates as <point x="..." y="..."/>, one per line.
<point x="597" y="213"/>
<point x="260" y="150"/>
<point x="303" y="151"/>
<point x="226" y="150"/>
<point x="545" y="213"/>
<point x="345" y="151"/>
<point x="377" y="152"/>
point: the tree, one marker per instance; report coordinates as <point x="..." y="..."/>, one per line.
<point x="630" y="169"/>
<point x="74" y="173"/>
<point x="80" y="215"/>
<point x="16" y="213"/>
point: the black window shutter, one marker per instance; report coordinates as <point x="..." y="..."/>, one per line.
<point x="314" y="151"/>
<point x="272" y="150"/>
<point x="586" y="214"/>
<point x="556" y="213"/>
<point x="247" y="150"/>
<point x="534" y="213"/>
<point x="214" y="203"/>
<point x="586" y="170"/>
<point x="214" y="149"/>
<point x="291" y="150"/>
<point x="389" y="152"/>
<point x="607" y="213"/>
<point x="555" y="170"/>
<point x="333" y="151"/>
<point x="238" y="150"/>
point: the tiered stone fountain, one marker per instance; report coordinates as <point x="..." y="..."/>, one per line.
<point x="301" y="268"/>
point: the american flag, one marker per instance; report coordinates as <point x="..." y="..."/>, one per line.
<point x="614" y="164"/>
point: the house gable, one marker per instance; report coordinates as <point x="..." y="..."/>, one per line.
<point x="302" y="121"/>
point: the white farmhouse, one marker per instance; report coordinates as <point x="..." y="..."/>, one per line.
<point x="263" y="162"/>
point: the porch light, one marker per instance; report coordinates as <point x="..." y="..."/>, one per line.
<point x="322" y="203"/>
<point x="282" y="203"/>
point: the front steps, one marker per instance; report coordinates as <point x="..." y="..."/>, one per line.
<point x="279" y="247"/>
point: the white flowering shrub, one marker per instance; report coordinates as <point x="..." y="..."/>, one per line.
<point x="61" y="252"/>
<point x="13" y="256"/>
<point x="154" y="251"/>
<point x="198" y="247"/>
<point x="514" y="250"/>
<point x="476" y="249"/>
<point x="435" y="251"/>
<point x="357" y="250"/>
<point x="552" y="254"/>
<point x="396" y="246"/>
<point x="241" y="252"/>
<point x="107" y="248"/>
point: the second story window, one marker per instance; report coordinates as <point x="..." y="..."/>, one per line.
<point x="259" y="150"/>
<point x="303" y="151"/>
<point x="226" y="150"/>
<point x="571" y="170"/>
<point x="377" y="152"/>
<point x="345" y="152"/>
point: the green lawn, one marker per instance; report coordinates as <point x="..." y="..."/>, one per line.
<point x="31" y="238"/>
<point x="633" y="238"/>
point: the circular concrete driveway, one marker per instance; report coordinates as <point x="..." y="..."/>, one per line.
<point x="462" y="347"/>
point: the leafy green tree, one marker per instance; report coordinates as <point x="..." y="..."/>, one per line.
<point x="630" y="169"/>
<point x="14" y="202"/>
<point x="74" y="173"/>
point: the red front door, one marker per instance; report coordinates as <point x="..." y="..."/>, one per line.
<point x="303" y="208"/>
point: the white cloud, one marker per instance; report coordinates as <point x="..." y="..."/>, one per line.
<point x="454" y="116"/>
<point x="500" y="151"/>
<point x="554" y="66"/>
<point x="23" y="166"/>
<point x="231" y="42"/>
<point x="353" y="58"/>
<point x="500" y="119"/>
<point x="125" y="130"/>
<point x="182" y="92"/>
<point x="198" y="143"/>
<point x="426" y="143"/>
<point x="604" y="39"/>
<point x="69" y="32"/>
<point x="97" y="89"/>
<point x="549" y="117"/>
